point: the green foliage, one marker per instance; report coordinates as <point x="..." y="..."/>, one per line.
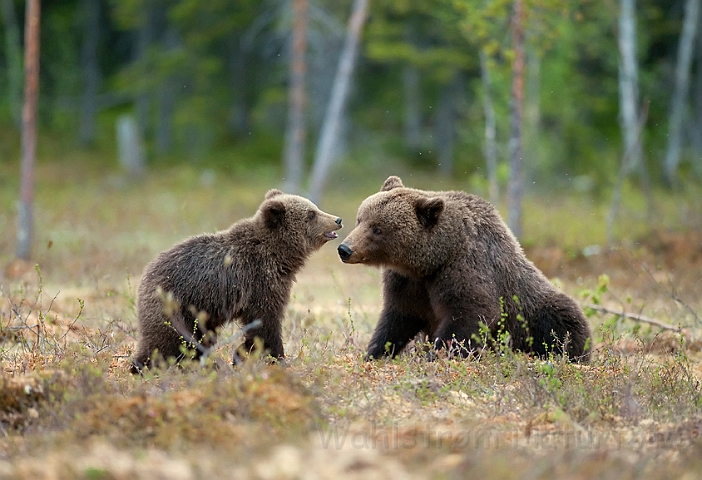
<point x="208" y="80"/>
<point x="594" y="295"/>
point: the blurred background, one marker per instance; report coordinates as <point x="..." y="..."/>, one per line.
<point x="597" y="100"/>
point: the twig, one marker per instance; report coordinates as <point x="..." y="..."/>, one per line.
<point x="638" y="318"/>
<point x="206" y="351"/>
<point x="672" y="293"/>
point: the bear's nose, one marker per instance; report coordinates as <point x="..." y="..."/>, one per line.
<point x="338" y="221"/>
<point x="344" y="251"/>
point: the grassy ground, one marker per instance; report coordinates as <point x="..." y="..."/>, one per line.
<point x="69" y="409"/>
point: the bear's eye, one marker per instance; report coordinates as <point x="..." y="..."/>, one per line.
<point x="311" y="214"/>
<point x="376" y="231"/>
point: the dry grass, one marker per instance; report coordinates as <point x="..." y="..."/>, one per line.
<point x="69" y="409"/>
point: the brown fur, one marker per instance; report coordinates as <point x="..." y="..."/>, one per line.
<point x="245" y="272"/>
<point x="450" y="262"/>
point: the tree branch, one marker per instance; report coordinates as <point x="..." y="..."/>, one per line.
<point x="639" y="318"/>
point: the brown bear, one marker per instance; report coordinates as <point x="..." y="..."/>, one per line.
<point x="245" y="272"/>
<point x="451" y="264"/>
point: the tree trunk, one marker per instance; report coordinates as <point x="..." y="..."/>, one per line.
<point x="144" y="40"/>
<point x="490" y="131"/>
<point x="91" y="71"/>
<point x="13" y="52"/>
<point x="680" y="93"/>
<point x="515" y="188"/>
<point x="412" y="114"/>
<point x="329" y="135"/>
<point x="130" y="147"/>
<point x="446" y="126"/>
<point x="696" y="126"/>
<point x="617" y="193"/>
<point x="240" y="111"/>
<point x="295" y="136"/>
<point x="629" y="86"/>
<point x="532" y="112"/>
<point x="29" y="129"/>
<point x="167" y="95"/>
<point x="240" y="117"/>
<point x="629" y="99"/>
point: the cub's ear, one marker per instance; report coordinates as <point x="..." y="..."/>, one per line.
<point x="390" y="183"/>
<point x="273" y="192"/>
<point x="273" y="213"/>
<point x="428" y="211"/>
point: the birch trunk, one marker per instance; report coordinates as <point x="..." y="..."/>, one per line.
<point x="29" y="129"/>
<point x="490" y="131"/>
<point x="629" y="86"/>
<point x="331" y="127"/>
<point x="13" y="52"/>
<point x="91" y="72"/>
<point x="296" y="133"/>
<point x="515" y="187"/>
<point x="680" y="93"/>
<point x="696" y="125"/>
<point x="632" y="122"/>
<point x="446" y="127"/>
<point x="144" y="40"/>
<point x="412" y="116"/>
<point x="166" y="100"/>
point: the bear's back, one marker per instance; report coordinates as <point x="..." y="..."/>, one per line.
<point x="490" y="245"/>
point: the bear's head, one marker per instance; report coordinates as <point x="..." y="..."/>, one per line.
<point x="398" y="227"/>
<point x="297" y="221"/>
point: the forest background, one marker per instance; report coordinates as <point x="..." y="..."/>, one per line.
<point x="607" y="90"/>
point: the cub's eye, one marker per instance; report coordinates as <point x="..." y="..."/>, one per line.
<point x="311" y="214"/>
<point x="357" y="222"/>
<point x="376" y="231"/>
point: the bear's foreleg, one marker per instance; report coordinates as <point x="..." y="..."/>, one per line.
<point x="393" y="333"/>
<point x="406" y="312"/>
<point x="268" y="332"/>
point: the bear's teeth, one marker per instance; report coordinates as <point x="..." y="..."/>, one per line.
<point x="331" y="235"/>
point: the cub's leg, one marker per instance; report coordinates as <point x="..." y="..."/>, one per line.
<point x="269" y="331"/>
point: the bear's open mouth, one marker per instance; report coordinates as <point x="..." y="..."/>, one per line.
<point x="331" y="235"/>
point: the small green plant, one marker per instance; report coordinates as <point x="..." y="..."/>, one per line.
<point x="594" y="295"/>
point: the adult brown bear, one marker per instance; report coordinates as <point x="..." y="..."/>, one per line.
<point x="245" y="272"/>
<point x="451" y="264"/>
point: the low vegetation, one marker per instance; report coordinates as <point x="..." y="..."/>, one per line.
<point x="69" y="408"/>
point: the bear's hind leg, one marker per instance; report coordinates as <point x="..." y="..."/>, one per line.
<point x="561" y="324"/>
<point x="162" y="337"/>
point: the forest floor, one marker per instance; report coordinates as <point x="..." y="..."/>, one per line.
<point x="70" y="409"/>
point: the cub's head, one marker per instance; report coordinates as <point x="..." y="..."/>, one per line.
<point x="296" y="219"/>
<point x="396" y="227"/>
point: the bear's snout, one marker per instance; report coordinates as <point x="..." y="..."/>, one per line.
<point x="345" y="252"/>
<point x="338" y="221"/>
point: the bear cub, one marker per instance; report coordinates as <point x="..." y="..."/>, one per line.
<point x="245" y="273"/>
<point x="450" y="265"/>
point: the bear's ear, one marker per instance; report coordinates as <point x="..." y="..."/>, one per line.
<point x="428" y="211"/>
<point x="273" y="213"/>
<point x="273" y="192"/>
<point x="390" y="183"/>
